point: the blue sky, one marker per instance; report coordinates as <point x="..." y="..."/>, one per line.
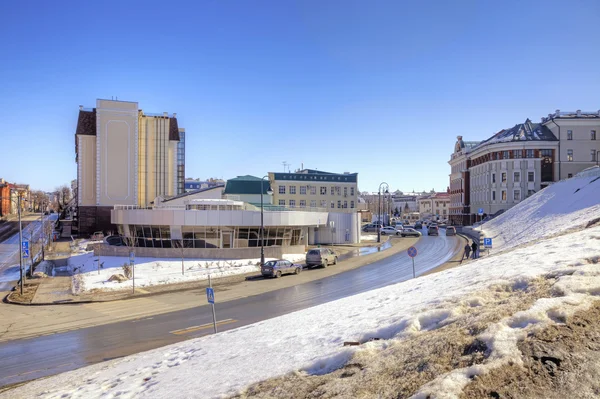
<point x="380" y="88"/>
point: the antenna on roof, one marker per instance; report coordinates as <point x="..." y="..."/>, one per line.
<point x="284" y="163"/>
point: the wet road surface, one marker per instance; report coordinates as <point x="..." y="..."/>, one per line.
<point x="28" y="359"/>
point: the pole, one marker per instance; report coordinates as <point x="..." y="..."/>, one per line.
<point x="414" y="275"/>
<point x="262" y="233"/>
<point x="378" y="228"/>
<point x="20" y="243"/>
<point x="42" y="232"/>
<point x="213" y="307"/>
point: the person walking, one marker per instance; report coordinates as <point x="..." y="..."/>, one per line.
<point x="467" y="252"/>
<point x="474" y="249"/>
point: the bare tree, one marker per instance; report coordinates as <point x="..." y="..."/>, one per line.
<point x="182" y="245"/>
<point x="130" y="240"/>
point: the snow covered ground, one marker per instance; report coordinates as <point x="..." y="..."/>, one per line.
<point x="152" y="271"/>
<point x="563" y="206"/>
<point x="312" y="340"/>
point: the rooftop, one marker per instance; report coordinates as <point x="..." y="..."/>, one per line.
<point x="558" y="114"/>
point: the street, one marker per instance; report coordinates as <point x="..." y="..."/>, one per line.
<point x="42" y="356"/>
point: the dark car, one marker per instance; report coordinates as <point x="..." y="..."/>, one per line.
<point x="275" y="268"/>
<point x="433" y="231"/>
<point x="372" y="227"/>
<point x="418" y="225"/>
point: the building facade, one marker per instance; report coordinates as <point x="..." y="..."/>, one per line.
<point x="434" y="206"/>
<point x="124" y="157"/>
<point x="308" y="188"/>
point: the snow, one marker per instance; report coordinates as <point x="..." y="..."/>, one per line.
<point x="368" y="237"/>
<point x="154" y="271"/>
<point x="563" y="206"/>
<point x="311" y="340"/>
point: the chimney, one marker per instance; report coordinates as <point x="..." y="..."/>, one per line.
<point x="81" y="107"/>
<point x="578" y="112"/>
<point x="557" y="113"/>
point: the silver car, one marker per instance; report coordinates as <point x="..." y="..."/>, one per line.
<point x="276" y="268"/>
<point x="321" y="257"/>
<point x="410" y="232"/>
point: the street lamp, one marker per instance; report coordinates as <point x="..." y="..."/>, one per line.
<point x="387" y="188"/>
<point x="20" y="239"/>
<point x="262" y="227"/>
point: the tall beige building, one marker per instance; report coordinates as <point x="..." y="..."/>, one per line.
<point x="124" y="157"/>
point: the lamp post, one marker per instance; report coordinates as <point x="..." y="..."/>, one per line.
<point x="20" y="239"/>
<point x="262" y="227"/>
<point x="380" y="216"/>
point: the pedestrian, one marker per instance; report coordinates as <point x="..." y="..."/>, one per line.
<point x="467" y="252"/>
<point x="474" y="249"/>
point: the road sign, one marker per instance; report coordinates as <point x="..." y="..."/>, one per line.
<point x="210" y="295"/>
<point x="25" y="245"/>
<point x="480" y="212"/>
<point x="412" y="252"/>
<point x="487" y="242"/>
<point x="26" y="253"/>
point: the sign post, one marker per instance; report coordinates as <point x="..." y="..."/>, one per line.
<point x="412" y="252"/>
<point x="487" y="243"/>
<point x="210" y="297"/>
<point x="132" y="264"/>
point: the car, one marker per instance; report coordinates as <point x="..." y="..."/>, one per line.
<point x="418" y="225"/>
<point x="450" y="231"/>
<point x="389" y="230"/>
<point x="399" y="225"/>
<point x="321" y="257"/>
<point x="410" y="232"/>
<point x="433" y="230"/>
<point x="372" y="227"/>
<point x="442" y="225"/>
<point x="276" y="268"/>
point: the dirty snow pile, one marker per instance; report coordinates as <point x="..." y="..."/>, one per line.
<point x="563" y="206"/>
<point x="311" y="340"/>
<point x="92" y="272"/>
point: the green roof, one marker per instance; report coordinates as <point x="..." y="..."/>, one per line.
<point x="246" y="185"/>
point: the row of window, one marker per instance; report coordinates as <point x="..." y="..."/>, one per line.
<point x="516" y="177"/>
<point x="313" y="204"/>
<point x="334" y="190"/>
<point x="593" y="155"/>
<point x="516" y="195"/>
<point x="570" y="135"/>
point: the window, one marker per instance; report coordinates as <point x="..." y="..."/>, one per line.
<point x="338" y="190"/>
<point x="530" y="177"/>
<point x="351" y="204"/>
<point x="593" y="154"/>
<point x="339" y="204"/>
<point x="345" y="191"/>
<point x="292" y="189"/>
<point x="292" y="203"/>
<point x="569" y="135"/>
<point x="332" y="191"/>
<point x="503" y="195"/>
<point x="281" y="189"/>
<point x="592" y="135"/>
<point x="281" y="202"/>
<point x="323" y="190"/>
<point x="302" y="203"/>
<point x="302" y="190"/>
<point x="529" y="154"/>
<point x="546" y="153"/>
<point x="570" y="155"/>
<point x="352" y="191"/>
<point x="517" y="177"/>
<point x="517" y="154"/>
<point x="569" y="175"/>
<point x="493" y="178"/>
<point x="332" y="204"/>
<point x="313" y="203"/>
<point x="530" y="192"/>
<point x="493" y="196"/>
<point x="517" y="195"/>
<point x="313" y="190"/>
<point x="345" y="204"/>
<point x="506" y="155"/>
<point x="323" y="204"/>
<point x="503" y="177"/>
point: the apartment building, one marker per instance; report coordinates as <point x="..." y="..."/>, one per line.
<point x="513" y="164"/>
<point x="309" y="188"/>
<point x="435" y="206"/>
<point x="124" y="157"/>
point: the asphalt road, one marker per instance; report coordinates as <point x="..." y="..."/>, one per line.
<point x="23" y="360"/>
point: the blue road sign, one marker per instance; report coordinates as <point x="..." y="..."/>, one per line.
<point x="26" y="253"/>
<point x="480" y="211"/>
<point x="210" y="295"/>
<point x="487" y="242"/>
<point x="412" y="252"/>
<point x="25" y="245"/>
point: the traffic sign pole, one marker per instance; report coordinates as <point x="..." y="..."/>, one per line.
<point x="414" y="275"/>
<point x="212" y="303"/>
<point x="412" y="252"/>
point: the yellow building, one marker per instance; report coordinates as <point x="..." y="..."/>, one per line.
<point x="124" y="157"/>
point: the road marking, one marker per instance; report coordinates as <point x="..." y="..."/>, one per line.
<point x="202" y="327"/>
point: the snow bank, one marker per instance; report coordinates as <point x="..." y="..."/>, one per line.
<point x="566" y="205"/>
<point x="312" y="339"/>
<point x="152" y="271"/>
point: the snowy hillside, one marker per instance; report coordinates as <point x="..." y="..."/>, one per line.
<point x="566" y="205"/>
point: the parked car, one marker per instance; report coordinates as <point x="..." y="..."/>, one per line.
<point x="321" y="257"/>
<point x="418" y="225"/>
<point x="389" y="230"/>
<point x="410" y="232"/>
<point x="372" y="227"/>
<point x="450" y="231"/>
<point x="275" y="268"/>
<point x="399" y="225"/>
<point x="433" y="230"/>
